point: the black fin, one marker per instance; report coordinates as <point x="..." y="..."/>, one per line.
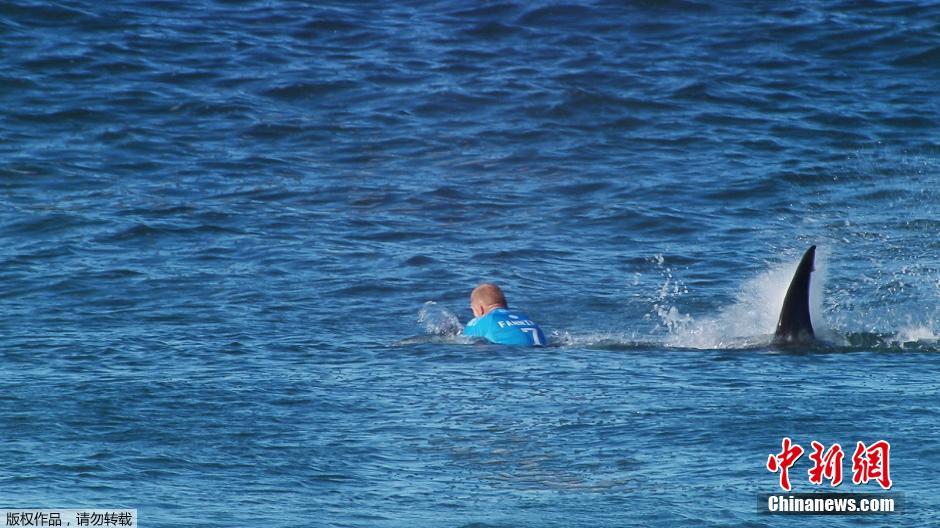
<point x="794" y="325"/>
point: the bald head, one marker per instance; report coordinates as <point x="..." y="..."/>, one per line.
<point x="486" y="297"/>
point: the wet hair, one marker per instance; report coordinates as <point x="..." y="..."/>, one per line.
<point x="489" y="294"/>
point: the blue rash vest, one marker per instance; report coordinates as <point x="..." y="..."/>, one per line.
<point x="506" y="327"/>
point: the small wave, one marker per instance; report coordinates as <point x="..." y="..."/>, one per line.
<point x="307" y="90"/>
<point x="75" y="115"/>
<point x="491" y="29"/>
<point x="146" y="232"/>
<point x="928" y="57"/>
<point x="331" y="25"/>
<point x="419" y="261"/>
<point x="46" y="224"/>
<point x="555" y="15"/>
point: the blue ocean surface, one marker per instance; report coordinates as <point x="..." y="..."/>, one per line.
<point x="239" y="237"/>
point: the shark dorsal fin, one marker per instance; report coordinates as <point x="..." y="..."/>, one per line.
<point x="795" y="325"/>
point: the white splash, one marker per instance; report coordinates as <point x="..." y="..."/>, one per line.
<point x="438" y="321"/>
<point x="751" y="320"/>
<point x="916" y="333"/>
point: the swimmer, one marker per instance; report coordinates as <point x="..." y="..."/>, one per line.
<point x="497" y="323"/>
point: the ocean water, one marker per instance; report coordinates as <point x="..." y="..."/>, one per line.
<point x="238" y="239"/>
